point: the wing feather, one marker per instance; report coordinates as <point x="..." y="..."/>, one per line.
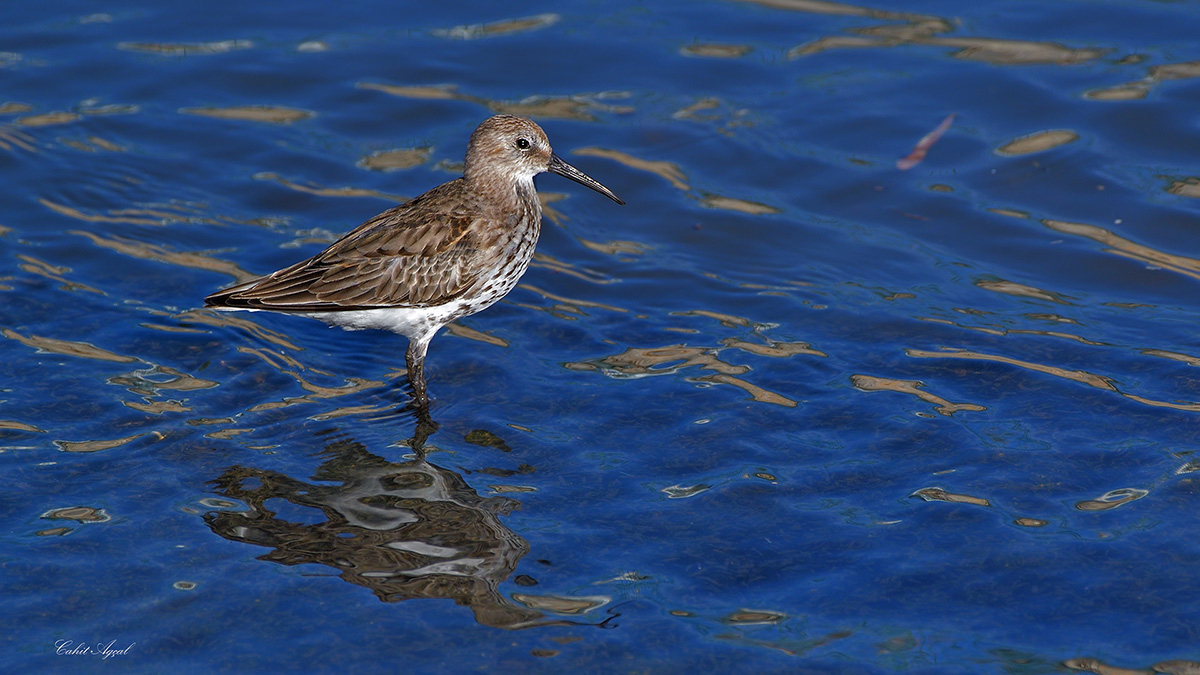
<point x="417" y="254"/>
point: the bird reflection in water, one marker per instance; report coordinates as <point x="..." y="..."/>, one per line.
<point x="404" y="530"/>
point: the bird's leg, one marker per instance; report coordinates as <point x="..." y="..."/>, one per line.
<point x="415" y="359"/>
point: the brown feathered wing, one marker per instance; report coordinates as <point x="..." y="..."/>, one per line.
<point x="414" y="255"/>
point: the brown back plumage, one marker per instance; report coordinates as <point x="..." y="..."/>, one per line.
<point x="414" y="255"/>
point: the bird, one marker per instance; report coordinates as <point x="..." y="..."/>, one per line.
<point x="449" y="253"/>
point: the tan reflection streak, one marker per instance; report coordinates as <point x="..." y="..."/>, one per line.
<point x="1083" y="377"/>
<point x="937" y="494"/>
<point x="138" y="382"/>
<point x="561" y="604"/>
<point x="546" y="198"/>
<point x="733" y="204"/>
<point x="158" y="407"/>
<point x="482" y="30"/>
<point x="779" y="350"/>
<point x="1124" y="247"/>
<point x="105" y="145"/>
<point x="616" y="247"/>
<point x="55" y="273"/>
<point x="561" y="107"/>
<point x="591" y="276"/>
<point x="12" y="108"/>
<point x="67" y="347"/>
<point x="327" y="192"/>
<point x="95" y="446"/>
<point x="570" y="301"/>
<point x="458" y="330"/>
<point x="1174" y="356"/>
<point x="14" y="425"/>
<point x="351" y="411"/>
<point x="1188" y="187"/>
<point x="185" y="48"/>
<point x="1177" y="667"/>
<point x="637" y="361"/>
<point x="252" y="113"/>
<point x="727" y="320"/>
<point x="838" y="9"/>
<point x="1038" y="142"/>
<point x="926" y="30"/>
<point x="668" y="170"/>
<point x="137" y="249"/>
<point x="316" y="391"/>
<point x="270" y="356"/>
<point x="690" y="112"/>
<point x="1112" y="499"/>
<point x="756" y="392"/>
<point x="870" y="383"/>
<point x="392" y="160"/>
<point x="1014" y="288"/>
<point x="1138" y="89"/>
<point x="227" y="319"/>
<point x="47" y="119"/>
<point x="94" y="218"/>
<point x="1101" y="668"/>
<point x="1016" y="52"/>
<point x="716" y="51"/>
<point x="1016" y="331"/>
<point x="12" y="135"/>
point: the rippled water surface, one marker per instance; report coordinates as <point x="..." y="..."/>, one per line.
<point x="824" y="396"/>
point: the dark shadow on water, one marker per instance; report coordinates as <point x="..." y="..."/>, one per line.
<point x="405" y="530"/>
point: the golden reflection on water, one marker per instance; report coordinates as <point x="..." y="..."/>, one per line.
<point x="642" y="361"/>
<point x="44" y="269"/>
<point x="716" y="51"/>
<point x="66" y="347"/>
<point x="1139" y="89"/>
<point x="1038" y="142"/>
<point x="579" y="107"/>
<point x="186" y="48"/>
<point x="1123" y="247"/>
<point x="1020" y="290"/>
<point x="395" y="160"/>
<point x="673" y="174"/>
<point x="322" y="191"/>
<point x="667" y="170"/>
<point x="11" y="137"/>
<point x="937" y="494"/>
<point x="253" y="113"/>
<point x="404" y="530"/>
<point x="913" y="387"/>
<point x="99" y="445"/>
<point x="145" y="251"/>
<point x="923" y="29"/>
<point x="1173" y="667"/>
<point x="162" y="214"/>
<point x="1188" y="187"/>
<point x="505" y="27"/>
<point x="1083" y="377"/>
<point x="84" y="515"/>
<point x="1112" y="499"/>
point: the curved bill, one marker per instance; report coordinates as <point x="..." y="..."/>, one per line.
<point x="558" y="166"/>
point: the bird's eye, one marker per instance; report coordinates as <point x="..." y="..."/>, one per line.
<point x="523" y="143"/>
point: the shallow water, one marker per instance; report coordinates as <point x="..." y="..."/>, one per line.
<point x="791" y="408"/>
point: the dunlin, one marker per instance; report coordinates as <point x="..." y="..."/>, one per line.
<point x="452" y="252"/>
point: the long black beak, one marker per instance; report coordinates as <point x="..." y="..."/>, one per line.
<point x="558" y="166"/>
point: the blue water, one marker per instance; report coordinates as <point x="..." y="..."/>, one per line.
<point x="791" y="409"/>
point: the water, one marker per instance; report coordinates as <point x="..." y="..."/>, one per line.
<point x="791" y="409"/>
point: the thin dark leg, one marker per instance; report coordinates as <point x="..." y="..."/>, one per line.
<point x="415" y="359"/>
